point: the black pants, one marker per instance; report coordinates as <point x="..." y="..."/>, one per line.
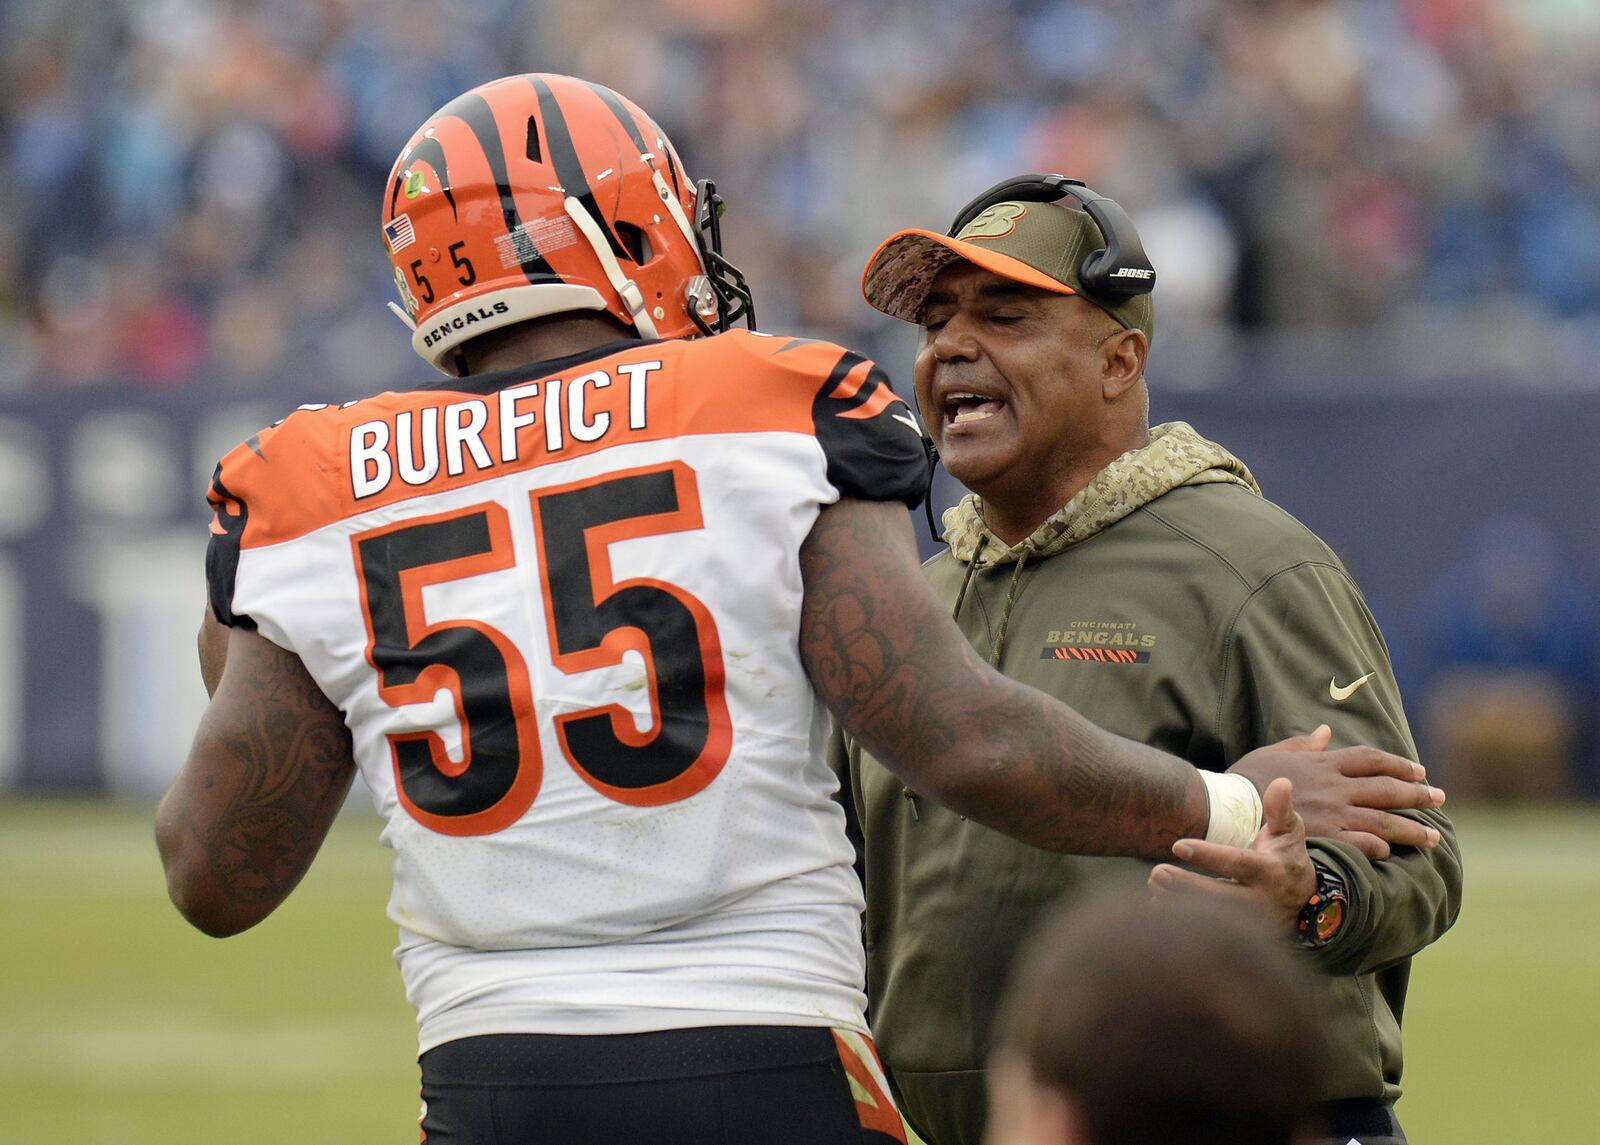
<point x="1364" y="1122"/>
<point x="725" y="1085"/>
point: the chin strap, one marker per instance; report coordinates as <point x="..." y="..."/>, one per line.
<point x="698" y="307"/>
<point x="628" y="290"/>
<point x="403" y="316"/>
<point x="674" y="208"/>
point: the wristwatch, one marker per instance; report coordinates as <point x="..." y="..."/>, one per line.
<point x="1324" y="913"/>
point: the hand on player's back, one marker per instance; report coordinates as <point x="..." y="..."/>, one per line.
<point x="1350" y="794"/>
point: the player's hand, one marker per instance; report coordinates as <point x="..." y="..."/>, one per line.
<point x="1275" y="871"/>
<point x="1349" y="794"/>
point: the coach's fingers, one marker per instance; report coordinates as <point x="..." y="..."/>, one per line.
<point x="1278" y="816"/>
<point x="1360" y="762"/>
<point x="1167" y="879"/>
<point x="1396" y="830"/>
<point x="1238" y="863"/>
<point x="1369" y="845"/>
<point x="1316" y="740"/>
<point x="1382" y="793"/>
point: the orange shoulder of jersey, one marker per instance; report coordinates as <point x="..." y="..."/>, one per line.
<point x="817" y="384"/>
<point x="267" y="485"/>
<point x="789" y="376"/>
<point x="325" y="464"/>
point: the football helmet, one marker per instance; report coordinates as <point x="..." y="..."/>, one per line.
<point x="540" y="194"/>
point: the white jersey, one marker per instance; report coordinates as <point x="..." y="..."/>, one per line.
<point x="560" y="612"/>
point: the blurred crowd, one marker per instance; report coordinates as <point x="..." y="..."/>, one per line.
<point x="193" y="184"/>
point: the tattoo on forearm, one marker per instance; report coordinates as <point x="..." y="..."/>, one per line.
<point x="914" y="694"/>
<point x="290" y="751"/>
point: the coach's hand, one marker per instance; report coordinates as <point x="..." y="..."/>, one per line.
<point x="1274" y="871"/>
<point x="1348" y="794"/>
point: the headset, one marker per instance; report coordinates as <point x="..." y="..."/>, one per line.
<point x="1114" y="273"/>
<point x="1117" y="271"/>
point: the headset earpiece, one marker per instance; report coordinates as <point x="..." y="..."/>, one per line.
<point x="1117" y="271"/>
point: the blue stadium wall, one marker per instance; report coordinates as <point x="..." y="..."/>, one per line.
<point x="103" y="525"/>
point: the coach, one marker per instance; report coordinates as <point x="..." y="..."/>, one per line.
<point x="1137" y="574"/>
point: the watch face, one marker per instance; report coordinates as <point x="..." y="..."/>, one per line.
<point x="1321" y="918"/>
<point x="1330" y="917"/>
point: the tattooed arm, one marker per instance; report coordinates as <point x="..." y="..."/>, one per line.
<point x="886" y="659"/>
<point x="268" y="771"/>
<point x="899" y="677"/>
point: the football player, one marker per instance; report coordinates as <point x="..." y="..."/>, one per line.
<point x="578" y="612"/>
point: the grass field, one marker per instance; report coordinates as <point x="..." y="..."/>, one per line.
<point x="120" y="1025"/>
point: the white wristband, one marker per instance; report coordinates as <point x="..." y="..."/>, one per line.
<point x="1235" y="809"/>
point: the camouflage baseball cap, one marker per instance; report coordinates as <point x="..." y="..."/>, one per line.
<point x="1038" y="244"/>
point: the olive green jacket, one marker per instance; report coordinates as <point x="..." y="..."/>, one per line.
<point x="1170" y="603"/>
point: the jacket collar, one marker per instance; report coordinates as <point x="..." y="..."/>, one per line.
<point x="1175" y="456"/>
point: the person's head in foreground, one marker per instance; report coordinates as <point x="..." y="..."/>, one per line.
<point x="1153" y="1024"/>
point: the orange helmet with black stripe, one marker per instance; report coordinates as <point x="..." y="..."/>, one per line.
<point x="541" y="194"/>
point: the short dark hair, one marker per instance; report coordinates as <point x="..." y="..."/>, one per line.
<point x="1164" y="1022"/>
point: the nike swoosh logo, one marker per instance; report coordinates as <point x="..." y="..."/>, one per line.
<point x="1340" y="695"/>
<point x="908" y="421"/>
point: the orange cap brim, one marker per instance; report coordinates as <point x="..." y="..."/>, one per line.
<point x="901" y="271"/>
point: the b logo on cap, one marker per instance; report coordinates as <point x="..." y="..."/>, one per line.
<point x="995" y="222"/>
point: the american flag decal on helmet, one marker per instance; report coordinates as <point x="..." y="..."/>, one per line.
<point x="399" y="234"/>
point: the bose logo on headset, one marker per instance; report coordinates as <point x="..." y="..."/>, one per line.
<point x="1133" y="272"/>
